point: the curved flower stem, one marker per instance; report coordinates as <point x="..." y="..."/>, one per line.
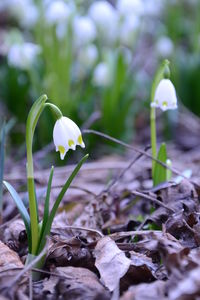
<point x="55" y="109"/>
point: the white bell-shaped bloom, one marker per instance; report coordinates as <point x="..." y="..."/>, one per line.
<point x="165" y="96"/>
<point x="84" y="30"/>
<point x="57" y="12"/>
<point x="106" y="19"/>
<point x="23" y="55"/>
<point x="164" y="47"/>
<point x="127" y="7"/>
<point x="66" y="135"/>
<point x="88" y="56"/>
<point x="102" y="76"/>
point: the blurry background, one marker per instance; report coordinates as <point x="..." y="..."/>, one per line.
<point x="96" y="61"/>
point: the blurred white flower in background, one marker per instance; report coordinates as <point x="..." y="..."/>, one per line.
<point x="88" y="56"/>
<point x="128" y="30"/>
<point x="23" y="55"/>
<point x="25" y="11"/>
<point x="152" y="7"/>
<point x="102" y="75"/>
<point x="57" y="12"/>
<point x="130" y="7"/>
<point x="165" y="95"/>
<point x="164" y="47"/>
<point x="106" y="19"/>
<point x="84" y="30"/>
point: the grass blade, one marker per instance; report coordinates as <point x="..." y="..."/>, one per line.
<point x="46" y="204"/>
<point x="57" y="203"/>
<point x="160" y="172"/>
<point x="22" y="209"/>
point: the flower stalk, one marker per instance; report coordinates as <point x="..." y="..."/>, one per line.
<point x="163" y="96"/>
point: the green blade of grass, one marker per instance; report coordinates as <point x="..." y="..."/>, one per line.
<point x="22" y="209"/>
<point x="57" y="203"/>
<point x="46" y="204"/>
<point x="160" y="172"/>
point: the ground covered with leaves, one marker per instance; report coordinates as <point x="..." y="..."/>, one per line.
<point x="114" y="237"/>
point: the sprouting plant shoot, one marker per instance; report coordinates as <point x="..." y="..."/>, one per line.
<point x="163" y="96"/>
<point x="66" y="135"/>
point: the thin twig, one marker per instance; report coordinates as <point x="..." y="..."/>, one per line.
<point x="79" y="228"/>
<point x="114" y="181"/>
<point x="134" y="149"/>
<point x="136" y="193"/>
<point x="123" y="234"/>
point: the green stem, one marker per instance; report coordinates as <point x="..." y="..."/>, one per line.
<point x="31" y="123"/>
<point x="153" y="136"/>
<point x="55" y="109"/>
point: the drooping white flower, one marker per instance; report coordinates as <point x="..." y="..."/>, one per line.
<point x="165" y="96"/>
<point x="88" y="56"/>
<point x="164" y="47"/>
<point x="128" y="29"/>
<point x="84" y="30"/>
<point x="25" y="11"/>
<point x="66" y="135"/>
<point x="57" y="12"/>
<point x="102" y="76"/>
<point x="127" y="7"/>
<point x="23" y="55"/>
<point x="106" y="19"/>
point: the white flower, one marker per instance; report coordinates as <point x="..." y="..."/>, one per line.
<point x="88" y="55"/>
<point x="165" y="96"/>
<point x="102" y="76"/>
<point x="128" y="30"/>
<point x="22" y="55"/>
<point x="153" y="7"/>
<point x="126" y="7"/>
<point x="106" y="19"/>
<point x="164" y="47"/>
<point x="84" y="30"/>
<point x="66" y="135"/>
<point x="57" y="12"/>
<point x="25" y="11"/>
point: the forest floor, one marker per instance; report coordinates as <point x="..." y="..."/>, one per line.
<point x="114" y="236"/>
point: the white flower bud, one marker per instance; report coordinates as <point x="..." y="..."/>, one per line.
<point x="57" y="12"/>
<point x="105" y="17"/>
<point x="101" y="76"/>
<point x="66" y="135"/>
<point x="84" y="31"/>
<point x="88" y="56"/>
<point x="127" y="7"/>
<point x="22" y="55"/>
<point x="164" y="47"/>
<point x="165" y="96"/>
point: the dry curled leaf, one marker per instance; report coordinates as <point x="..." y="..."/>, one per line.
<point x="111" y="262"/>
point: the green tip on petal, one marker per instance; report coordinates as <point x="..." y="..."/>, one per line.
<point x="61" y="149"/>
<point x="70" y="143"/>
<point x="80" y="140"/>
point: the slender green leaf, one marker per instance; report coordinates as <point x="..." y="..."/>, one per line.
<point x="46" y="204"/>
<point x="2" y="155"/>
<point x="160" y="172"/>
<point x="22" y="209"/>
<point x="57" y="203"/>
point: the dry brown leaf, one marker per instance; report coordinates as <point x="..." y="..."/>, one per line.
<point x="111" y="262"/>
<point x="8" y="258"/>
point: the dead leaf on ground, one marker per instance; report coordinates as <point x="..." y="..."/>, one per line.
<point x="111" y="262"/>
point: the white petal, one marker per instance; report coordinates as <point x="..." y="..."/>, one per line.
<point x="165" y="95"/>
